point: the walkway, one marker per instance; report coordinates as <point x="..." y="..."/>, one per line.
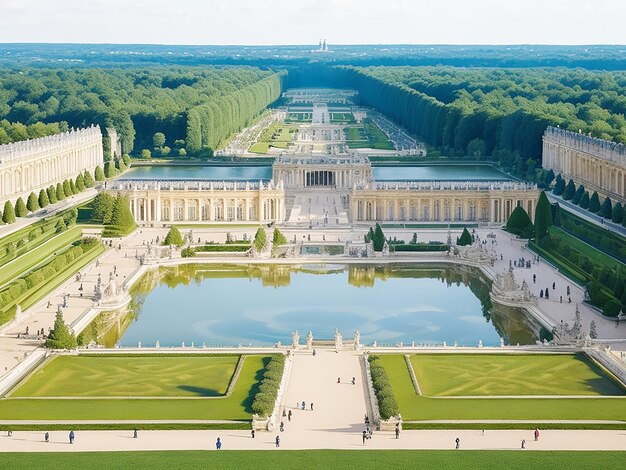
<point x="585" y="214"/>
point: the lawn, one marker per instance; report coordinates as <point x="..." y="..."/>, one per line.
<point x="413" y="407"/>
<point x="505" y="374"/>
<point x="277" y="135"/>
<point x="317" y="459"/>
<point x="139" y="376"/>
<point x="368" y="135"/>
<point x="34" y="257"/>
<point x="237" y="406"/>
<point x="589" y="251"/>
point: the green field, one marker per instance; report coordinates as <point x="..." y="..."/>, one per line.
<point x="441" y="375"/>
<point x="591" y="252"/>
<point x="278" y="135"/>
<point x="414" y="407"/>
<point x="318" y="459"/>
<point x="234" y="407"/>
<point x="368" y="135"/>
<point x="139" y="376"/>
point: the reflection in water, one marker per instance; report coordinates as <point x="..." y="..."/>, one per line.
<point x="263" y="304"/>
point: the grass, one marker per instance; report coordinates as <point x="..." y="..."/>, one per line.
<point x="595" y="255"/>
<point x="277" y="135"/>
<point x="368" y="135"/>
<point x="94" y="376"/>
<point x="34" y="257"/>
<point x="318" y="459"/>
<point x="234" y="407"/>
<point x="416" y="408"/>
<point x="487" y="374"/>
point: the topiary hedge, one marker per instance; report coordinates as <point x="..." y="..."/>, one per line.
<point x="224" y="248"/>
<point x="387" y="404"/>
<point x="421" y="247"/>
<point x="265" y="398"/>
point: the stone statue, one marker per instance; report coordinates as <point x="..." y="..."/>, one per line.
<point x="309" y="339"/>
<point x="480" y="343"/>
<point x="385" y="252"/>
<point x="357" y="339"/>
<point x="18" y="311"/>
<point x="338" y="340"/>
<point x="295" y="339"/>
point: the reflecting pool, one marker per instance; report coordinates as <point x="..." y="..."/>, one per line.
<point x="262" y="304"/>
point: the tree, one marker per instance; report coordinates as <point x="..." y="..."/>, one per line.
<point x="579" y="194"/>
<point x="126" y="159"/>
<point x="594" y="203"/>
<point x="32" y="204"/>
<point x="89" y="181"/>
<point x="59" y="192"/>
<point x="174" y="237"/>
<point x="182" y="153"/>
<point x="73" y="188"/>
<point x="618" y="213"/>
<point x="584" y="200"/>
<point x="43" y="199"/>
<point x="20" y="208"/>
<point x="519" y="223"/>
<point x="60" y="337"/>
<point x="8" y="214"/>
<point x="379" y="238"/>
<point x="80" y="183"/>
<point x="146" y="154"/>
<point x="52" y="195"/>
<point x="109" y="169"/>
<point x="543" y="216"/>
<point x="67" y="189"/>
<point x="556" y="214"/>
<point x="260" y="239"/>
<point x="559" y="187"/>
<point x="593" y="334"/>
<point x="99" y="174"/>
<point x="278" y="238"/>
<point x="569" y="191"/>
<point x="466" y="237"/>
<point x="549" y="177"/>
<point x="476" y="149"/>
<point x="103" y="205"/>
<point x="158" y="140"/>
<point x="607" y="208"/>
<point x="122" y="219"/>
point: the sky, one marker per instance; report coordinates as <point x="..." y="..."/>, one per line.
<point x="274" y="22"/>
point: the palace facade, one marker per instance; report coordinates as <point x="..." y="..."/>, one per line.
<point x="32" y="165"/>
<point x="349" y="178"/>
<point x="599" y="165"/>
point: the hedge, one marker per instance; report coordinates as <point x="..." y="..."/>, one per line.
<point x="421" y="247"/>
<point x="265" y="398"/>
<point x="387" y="404"/>
<point x="230" y="247"/>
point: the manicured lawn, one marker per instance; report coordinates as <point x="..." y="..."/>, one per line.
<point x="234" y="407"/>
<point x="413" y="407"/>
<point x="487" y="374"/>
<point x="589" y="251"/>
<point x="31" y="259"/>
<point x="139" y="376"/>
<point x="318" y="459"/>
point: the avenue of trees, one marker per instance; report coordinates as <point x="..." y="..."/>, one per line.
<point x="194" y="108"/>
<point x="495" y="114"/>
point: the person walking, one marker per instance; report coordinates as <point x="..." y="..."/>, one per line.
<point x="364" y="436"/>
<point x="282" y="426"/>
<point x="303" y="406"/>
<point x="277" y="441"/>
<point x="458" y="443"/>
<point x="218" y="444"/>
<point x="46" y="437"/>
<point x="71" y="437"/>
<point x="523" y="443"/>
<point x="353" y="380"/>
<point x="289" y="416"/>
<point x="253" y="433"/>
<point x="536" y="434"/>
<point x="397" y="432"/>
<point x="135" y="434"/>
<point x="311" y="406"/>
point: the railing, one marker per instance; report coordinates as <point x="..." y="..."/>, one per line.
<point x="190" y="185"/>
<point x="445" y="185"/>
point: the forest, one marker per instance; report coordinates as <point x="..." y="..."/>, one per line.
<point x="201" y="105"/>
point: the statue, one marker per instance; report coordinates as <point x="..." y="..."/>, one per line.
<point x="385" y="252"/>
<point x="295" y="339"/>
<point x="357" y="339"/>
<point x="309" y="339"/>
<point x="18" y="311"/>
<point x="338" y="340"/>
<point x="480" y="343"/>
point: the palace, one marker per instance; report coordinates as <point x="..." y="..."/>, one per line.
<point x="599" y="165"/>
<point x="342" y="186"/>
<point x="32" y="165"/>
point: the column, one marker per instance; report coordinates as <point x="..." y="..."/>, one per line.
<point x="136" y="208"/>
<point x="171" y="214"/>
<point x="158" y="207"/>
<point x="200" y="210"/>
<point x="247" y="209"/>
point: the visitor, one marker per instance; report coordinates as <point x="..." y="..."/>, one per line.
<point x="568" y="290"/>
<point x="523" y="443"/>
<point x="289" y="416"/>
<point x="277" y="441"/>
<point x="71" y="437"/>
<point x="553" y="285"/>
<point x="397" y="431"/>
<point x="282" y="426"/>
<point x="458" y="443"/>
<point x="364" y="436"/>
<point x="9" y="433"/>
<point x="353" y="380"/>
<point x="253" y="433"/>
<point x="338" y="380"/>
<point x="135" y="434"/>
<point x="218" y="444"/>
<point x="314" y="353"/>
<point x="534" y="278"/>
<point x="46" y="437"/>
<point x="541" y="293"/>
<point x="561" y="299"/>
<point x="536" y="434"/>
<point x="311" y="406"/>
<point x="303" y="406"/>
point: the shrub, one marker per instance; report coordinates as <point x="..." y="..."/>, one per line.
<point x="569" y="191"/>
<point x="607" y="208"/>
<point x="8" y="214"/>
<point x="20" y="208"/>
<point x="543" y="216"/>
<point x="121" y="216"/>
<point x="519" y="223"/>
<point x="260" y="239"/>
<point x="465" y="238"/>
<point x="32" y="204"/>
<point x="61" y="337"/>
<point x="188" y="252"/>
<point x="559" y="187"/>
<point x="421" y="247"/>
<point x="43" y="199"/>
<point x="278" y="238"/>
<point x="80" y="183"/>
<point x="67" y="188"/>
<point x="88" y="179"/>
<point x="379" y="238"/>
<point x="60" y="193"/>
<point x="618" y="213"/>
<point x="174" y="237"/>
<point x="99" y="174"/>
<point x="594" y="203"/>
<point x="52" y="195"/>
<point x="231" y="247"/>
<point x="265" y="398"/>
<point x="584" y="200"/>
<point x="578" y="194"/>
<point x="109" y="169"/>
<point x="611" y="308"/>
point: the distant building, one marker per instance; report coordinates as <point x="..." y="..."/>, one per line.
<point x="598" y="164"/>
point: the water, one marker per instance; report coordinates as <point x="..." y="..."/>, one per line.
<point x="255" y="173"/>
<point x="260" y="305"/>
